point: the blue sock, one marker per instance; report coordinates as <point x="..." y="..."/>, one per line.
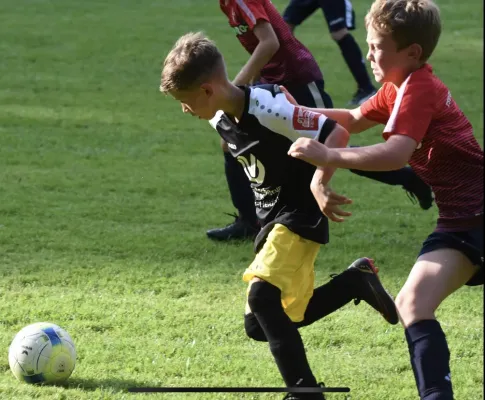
<point x="430" y="359"/>
<point x="240" y="189"/>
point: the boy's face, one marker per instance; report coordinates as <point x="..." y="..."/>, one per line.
<point x="387" y="62"/>
<point x="197" y="102"/>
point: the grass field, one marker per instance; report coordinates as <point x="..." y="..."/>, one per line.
<point x="106" y="190"/>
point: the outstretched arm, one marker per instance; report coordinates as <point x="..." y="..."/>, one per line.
<point x="352" y="120"/>
<point x="391" y="155"/>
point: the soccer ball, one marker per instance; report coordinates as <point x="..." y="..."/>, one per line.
<point x="42" y="353"/>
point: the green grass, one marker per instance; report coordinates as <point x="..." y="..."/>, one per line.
<point x="106" y="190"/>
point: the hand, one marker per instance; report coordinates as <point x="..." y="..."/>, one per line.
<point x="289" y="97"/>
<point x="310" y="150"/>
<point x="329" y="202"/>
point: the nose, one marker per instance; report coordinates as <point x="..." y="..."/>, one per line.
<point x="368" y="56"/>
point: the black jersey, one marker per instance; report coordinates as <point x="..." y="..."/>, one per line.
<point x="260" y="141"/>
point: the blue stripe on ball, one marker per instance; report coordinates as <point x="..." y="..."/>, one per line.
<point x="38" y="378"/>
<point x="53" y="337"/>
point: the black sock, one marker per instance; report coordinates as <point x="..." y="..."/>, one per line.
<point x="430" y="359"/>
<point x="284" y="339"/>
<point x="398" y="177"/>
<point x="240" y="189"/>
<point x="325" y="300"/>
<point x="353" y="57"/>
<point x="329" y="297"/>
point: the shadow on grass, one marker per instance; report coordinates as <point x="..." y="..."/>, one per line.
<point x="111" y="384"/>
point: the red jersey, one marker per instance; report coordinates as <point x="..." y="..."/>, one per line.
<point x="447" y="157"/>
<point x="292" y="63"/>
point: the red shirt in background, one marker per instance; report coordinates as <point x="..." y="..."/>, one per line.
<point x="292" y="63"/>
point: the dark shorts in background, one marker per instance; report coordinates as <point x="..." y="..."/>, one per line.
<point x="310" y="95"/>
<point x="468" y="242"/>
<point x="339" y="14"/>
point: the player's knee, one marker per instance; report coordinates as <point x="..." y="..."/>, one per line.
<point x="263" y="296"/>
<point x="339" y="35"/>
<point x="411" y="309"/>
<point x="253" y="328"/>
<point x="224" y="146"/>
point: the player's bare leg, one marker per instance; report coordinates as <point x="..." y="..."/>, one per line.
<point x="433" y="278"/>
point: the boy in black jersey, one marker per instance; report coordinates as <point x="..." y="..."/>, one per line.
<point x="259" y="125"/>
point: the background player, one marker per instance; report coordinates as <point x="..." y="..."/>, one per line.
<point x="340" y="17"/>
<point x="278" y="57"/>
<point x="259" y="125"/>
<point x="425" y="127"/>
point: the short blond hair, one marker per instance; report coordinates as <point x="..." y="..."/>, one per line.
<point x="408" y="21"/>
<point x="193" y="59"/>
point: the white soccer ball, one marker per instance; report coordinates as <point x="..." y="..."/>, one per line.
<point x="42" y="353"/>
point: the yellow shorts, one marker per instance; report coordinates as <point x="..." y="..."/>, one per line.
<point x="286" y="261"/>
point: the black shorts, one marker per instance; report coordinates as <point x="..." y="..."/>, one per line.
<point x="338" y="13"/>
<point x="470" y="243"/>
<point x="310" y="95"/>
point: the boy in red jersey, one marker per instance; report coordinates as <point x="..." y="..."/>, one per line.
<point x="425" y="127"/>
<point x="277" y="57"/>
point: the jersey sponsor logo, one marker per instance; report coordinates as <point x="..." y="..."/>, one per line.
<point x="266" y="198"/>
<point x="241" y="29"/>
<point x="304" y="120"/>
<point x="448" y="99"/>
<point x="253" y="168"/>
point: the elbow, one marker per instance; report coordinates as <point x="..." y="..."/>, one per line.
<point x="345" y="137"/>
<point x="338" y="138"/>
<point x="272" y="47"/>
<point x="275" y="44"/>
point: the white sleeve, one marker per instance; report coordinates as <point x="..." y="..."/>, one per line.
<point x="279" y="115"/>
<point x="215" y="119"/>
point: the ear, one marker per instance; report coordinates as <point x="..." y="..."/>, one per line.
<point x="207" y="89"/>
<point x="415" y="51"/>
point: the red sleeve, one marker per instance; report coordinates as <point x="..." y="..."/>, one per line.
<point x="413" y="109"/>
<point x="376" y="108"/>
<point x="252" y="11"/>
